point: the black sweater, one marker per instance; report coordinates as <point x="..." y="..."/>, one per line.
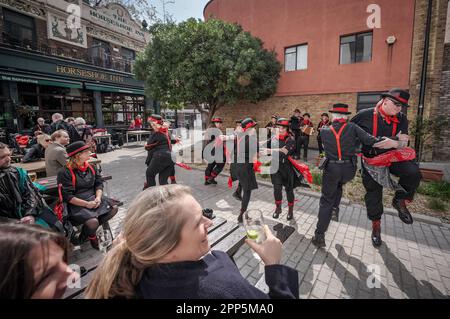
<point x="214" y="277"/>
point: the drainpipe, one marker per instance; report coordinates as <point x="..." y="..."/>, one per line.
<point x="423" y="83"/>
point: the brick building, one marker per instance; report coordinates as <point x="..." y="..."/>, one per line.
<point x="332" y="53"/>
<point x="65" y="56"/>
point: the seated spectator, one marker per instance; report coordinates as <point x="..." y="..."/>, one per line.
<point x="20" y="200"/>
<point x="164" y="253"/>
<point x="41" y="128"/>
<point x="138" y="122"/>
<point x="56" y="154"/>
<point x="37" y="151"/>
<point x="82" y="190"/>
<point x="70" y="120"/>
<point x="33" y="263"/>
<point x="83" y="130"/>
<point x="60" y="124"/>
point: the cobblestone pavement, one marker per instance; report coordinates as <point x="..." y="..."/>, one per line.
<point x="413" y="262"/>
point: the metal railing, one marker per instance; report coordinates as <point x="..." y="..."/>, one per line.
<point x="91" y="55"/>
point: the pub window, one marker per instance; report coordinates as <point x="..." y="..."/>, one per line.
<point x="19" y="28"/>
<point x="356" y="48"/>
<point x="296" y="58"/>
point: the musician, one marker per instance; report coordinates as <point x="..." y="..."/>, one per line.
<point x="323" y="123"/>
<point x="305" y="128"/>
<point x="386" y="119"/>
<point x="339" y="141"/>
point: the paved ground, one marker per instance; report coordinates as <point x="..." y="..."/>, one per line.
<point x="413" y="262"/>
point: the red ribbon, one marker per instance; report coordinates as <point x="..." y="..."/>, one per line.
<point x="302" y="168"/>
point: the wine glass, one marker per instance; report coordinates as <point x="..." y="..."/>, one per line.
<point x="254" y="225"/>
<point x="104" y="237"/>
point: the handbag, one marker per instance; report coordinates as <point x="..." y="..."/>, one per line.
<point x="62" y="214"/>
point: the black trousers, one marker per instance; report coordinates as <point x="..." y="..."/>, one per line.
<point x="161" y="166"/>
<point x="245" y="197"/>
<point x="319" y="144"/>
<point x="278" y="193"/>
<point x="213" y="169"/>
<point x="303" y="142"/>
<point x="333" y="179"/>
<point x="409" y="179"/>
<point x="297" y="136"/>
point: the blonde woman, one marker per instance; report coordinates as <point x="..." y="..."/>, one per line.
<point x="82" y="190"/>
<point x="164" y="253"/>
<point x="37" y="151"/>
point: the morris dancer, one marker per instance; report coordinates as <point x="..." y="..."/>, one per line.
<point x="387" y="120"/>
<point x="215" y="168"/>
<point x="339" y="167"/>
<point x="285" y="174"/>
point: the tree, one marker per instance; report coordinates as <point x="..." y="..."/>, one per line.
<point x="206" y="65"/>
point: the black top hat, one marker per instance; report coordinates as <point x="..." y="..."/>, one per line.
<point x="283" y="122"/>
<point x="217" y="120"/>
<point x="248" y="123"/>
<point x="324" y="114"/>
<point x="340" y="108"/>
<point x="307" y="114"/>
<point x="399" y="95"/>
<point x="76" y="147"/>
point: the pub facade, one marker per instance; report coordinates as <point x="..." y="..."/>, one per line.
<point x="68" y="57"/>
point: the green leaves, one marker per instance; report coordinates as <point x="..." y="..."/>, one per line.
<point x="206" y="63"/>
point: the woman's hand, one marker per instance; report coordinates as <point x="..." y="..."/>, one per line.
<point x="98" y="201"/>
<point x="270" y="250"/>
<point x="91" y="205"/>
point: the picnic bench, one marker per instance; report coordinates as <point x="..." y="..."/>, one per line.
<point x="39" y="166"/>
<point x="223" y="235"/>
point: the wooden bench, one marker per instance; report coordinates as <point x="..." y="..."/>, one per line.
<point x="39" y="166"/>
<point x="223" y="235"/>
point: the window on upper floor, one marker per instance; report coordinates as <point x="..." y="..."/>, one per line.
<point x="19" y="29"/>
<point x="356" y="48"/>
<point x="128" y="54"/>
<point x="296" y="58"/>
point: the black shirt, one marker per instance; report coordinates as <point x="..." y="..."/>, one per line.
<point x="158" y="145"/>
<point x="215" y="276"/>
<point x="296" y="122"/>
<point x="364" y="119"/>
<point x="349" y="140"/>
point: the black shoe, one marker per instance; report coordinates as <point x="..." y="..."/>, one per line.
<point x="290" y="214"/>
<point x="207" y="182"/>
<point x="376" y="233"/>
<point x="277" y="211"/>
<point x="173" y="182"/>
<point x="240" y="217"/>
<point x="213" y="181"/>
<point x="237" y="196"/>
<point x="335" y="214"/>
<point x="403" y="212"/>
<point x="318" y="241"/>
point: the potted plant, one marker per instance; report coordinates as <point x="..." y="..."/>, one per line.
<point x="429" y="133"/>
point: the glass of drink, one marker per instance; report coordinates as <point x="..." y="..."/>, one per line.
<point x="105" y="240"/>
<point x="254" y="225"/>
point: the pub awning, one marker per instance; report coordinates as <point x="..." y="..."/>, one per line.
<point x="118" y="89"/>
<point x="24" y="78"/>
